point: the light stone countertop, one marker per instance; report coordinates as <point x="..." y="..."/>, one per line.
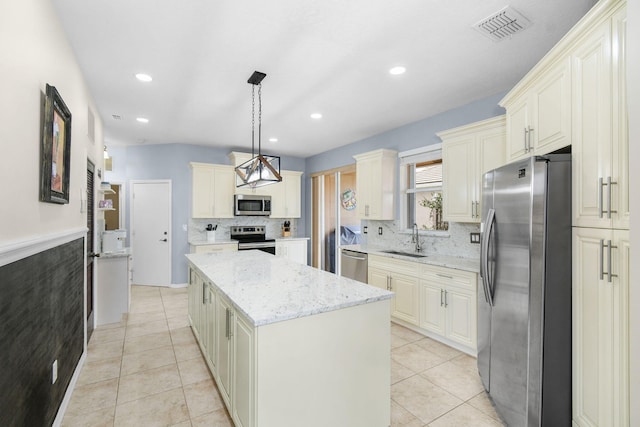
<point x="116" y="254"/>
<point x="466" y="264"/>
<point x="292" y="238"/>
<point x="269" y="289"/>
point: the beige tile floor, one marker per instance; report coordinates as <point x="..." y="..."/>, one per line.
<point x="148" y="371"/>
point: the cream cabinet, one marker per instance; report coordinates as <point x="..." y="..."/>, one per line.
<point x="224" y="348"/>
<point x="376" y="184"/>
<point x="285" y="195"/>
<point x="448" y="304"/>
<point x="539" y="112"/>
<point x="601" y="152"/>
<point x="212" y="189"/>
<point x="600" y="327"/>
<point x="401" y="277"/>
<point x="294" y="249"/>
<point x="467" y="153"/>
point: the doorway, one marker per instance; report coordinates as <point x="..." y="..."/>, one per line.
<point x="114" y="219"/>
<point x="151" y="232"/>
<point x="335" y="221"/>
<point x="90" y="243"/>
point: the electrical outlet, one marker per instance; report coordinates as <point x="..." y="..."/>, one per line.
<point x="54" y="372"/>
<point x="474" y="237"/>
<point x="379" y="231"/>
<point x="365" y="229"/>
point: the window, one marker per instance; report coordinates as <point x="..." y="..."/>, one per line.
<point x="421" y="181"/>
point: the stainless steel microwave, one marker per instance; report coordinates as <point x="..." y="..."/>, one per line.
<point x="252" y="205"/>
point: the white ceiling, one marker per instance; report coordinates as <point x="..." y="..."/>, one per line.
<point x="327" y="56"/>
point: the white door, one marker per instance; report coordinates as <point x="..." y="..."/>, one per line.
<point x="151" y="232"/>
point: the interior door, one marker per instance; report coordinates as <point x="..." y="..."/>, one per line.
<point x="90" y="247"/>
<point x="151" y="232"/>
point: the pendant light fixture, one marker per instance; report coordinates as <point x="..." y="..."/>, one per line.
<point x="262" y="169"/>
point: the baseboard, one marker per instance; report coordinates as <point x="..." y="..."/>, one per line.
<point x="57" y="422"/>
<point x="171" y="285"/>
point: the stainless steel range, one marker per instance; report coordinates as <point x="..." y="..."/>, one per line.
<point x="253" y="237"/>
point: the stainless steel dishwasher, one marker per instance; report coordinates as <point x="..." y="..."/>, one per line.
<point x="354" y="265"/>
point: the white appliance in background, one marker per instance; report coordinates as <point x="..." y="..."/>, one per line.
<point x="113" y="240"/>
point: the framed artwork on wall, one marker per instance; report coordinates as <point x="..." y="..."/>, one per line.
<point x="55" y="149"/>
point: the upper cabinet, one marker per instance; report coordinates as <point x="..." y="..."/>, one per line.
<point x="539" y="113"/>
<point x="467" y="153"/>
<point x="376" y="184"/>
<point x="211" y="190"/>
<point x="285" y="195"/>
<point x="601" y="152"/>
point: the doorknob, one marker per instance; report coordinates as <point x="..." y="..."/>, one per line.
<point x="94" y="255"/>
<point x="163" y="240"/>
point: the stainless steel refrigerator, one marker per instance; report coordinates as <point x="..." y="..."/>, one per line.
<point x="524" y="306"/>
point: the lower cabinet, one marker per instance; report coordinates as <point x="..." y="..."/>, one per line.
<point x="448" y="304"/>
<point x="294" y="249"/>
<point x="400" y="277"/>
<point x="224" y="348"/>
<point x="600" y="327"/>
<point x="439" y="301"/>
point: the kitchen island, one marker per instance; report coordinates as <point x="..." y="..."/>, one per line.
<point x="290" y="345"/>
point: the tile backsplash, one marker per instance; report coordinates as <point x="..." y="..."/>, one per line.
<point x="273" y="227"/>
<point x="453" y="242"/>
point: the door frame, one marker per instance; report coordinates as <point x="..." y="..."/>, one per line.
<point x="169" y="227"/>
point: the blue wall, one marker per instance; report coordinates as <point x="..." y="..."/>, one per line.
<point x="414" y="135"/>
<point x="171" y="161"/>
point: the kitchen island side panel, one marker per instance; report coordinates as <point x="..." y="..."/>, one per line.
<point x="329" y="369"/>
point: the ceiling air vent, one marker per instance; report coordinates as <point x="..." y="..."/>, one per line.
<point x="502" y="24"/>
<point x="116" y="116"/>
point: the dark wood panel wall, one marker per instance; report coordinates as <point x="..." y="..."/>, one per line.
<point x="41" y="320"/>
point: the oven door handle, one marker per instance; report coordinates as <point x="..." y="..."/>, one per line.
<point x="256" y="245"/>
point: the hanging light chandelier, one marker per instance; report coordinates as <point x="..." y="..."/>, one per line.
<point x="262" y="169"/>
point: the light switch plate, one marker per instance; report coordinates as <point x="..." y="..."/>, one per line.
<point x="379" y="231"/>
<point x="474" y="237"/>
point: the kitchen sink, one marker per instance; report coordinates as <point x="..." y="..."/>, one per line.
<point x="411" y="254"/>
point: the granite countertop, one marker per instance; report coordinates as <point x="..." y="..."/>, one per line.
<point x="291" y="238"/>
<point x="269" y="289"/>
<point x="466" y="264"/>
<point x="200" y="242"/>
<point x="121" y="253"/>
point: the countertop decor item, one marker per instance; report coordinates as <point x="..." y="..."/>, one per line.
<point x="55" y="149"/>
<point x="261" y="169"/>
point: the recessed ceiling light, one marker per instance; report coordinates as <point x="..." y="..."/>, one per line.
<point x="142" y="120"/>
<point x="273" y="139"/>
<point x="316" y="116"/>
<point x="397" y="70"/>
<point x="144" y="77"/>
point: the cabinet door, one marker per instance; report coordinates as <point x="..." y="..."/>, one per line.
<point x="279" y="198"/>
<point x="432" y="315"/>
<point x="620" y="155"/>
<point x="224" y="356"/>
<point x="378" y="278"/>
<point x="517" y="121"/>
<point x="591" y="76"/>
<point x="191" y="291"/>
<point x="293" y="189"/>
<point x="460" y="307"/>
<point x="551" y="105"/>
<point x="600" y="328"/>
<point x="406" y="300"/>
<point x="364" y="181"/>
<point x="459" y="179"/>
<point x="243" y="378"/>
<point x="202" y="191"/>
<point x="211" y="331"/>
<point x="224" y="186"/>
<point x="295" y="250"/>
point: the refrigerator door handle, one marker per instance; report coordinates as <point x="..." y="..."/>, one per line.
<point x="484" y="262"/>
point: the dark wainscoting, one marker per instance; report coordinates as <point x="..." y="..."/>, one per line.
<point x="41" y="320"/>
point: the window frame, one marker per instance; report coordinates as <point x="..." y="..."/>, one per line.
<point x="412" y="157"/>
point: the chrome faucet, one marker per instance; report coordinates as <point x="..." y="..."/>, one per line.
<point x="415" y="238"/>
